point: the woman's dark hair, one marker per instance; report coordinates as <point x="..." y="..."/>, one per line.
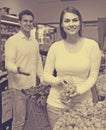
<point x="74" y="11"/>
<point x="25" y="12"/>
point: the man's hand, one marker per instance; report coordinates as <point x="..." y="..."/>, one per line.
<point x="20" y="71"/>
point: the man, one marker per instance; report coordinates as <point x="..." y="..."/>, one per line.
<point x="23" y="62"/>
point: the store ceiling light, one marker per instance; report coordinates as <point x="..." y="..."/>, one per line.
<point x="52" y="1"/>
<point x="43" y="1"/>
<point x="67" y="0"/>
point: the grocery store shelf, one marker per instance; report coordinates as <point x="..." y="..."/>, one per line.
<point x="9" y="22"/>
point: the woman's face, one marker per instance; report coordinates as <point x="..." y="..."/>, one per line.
<point x="71" y="23"/>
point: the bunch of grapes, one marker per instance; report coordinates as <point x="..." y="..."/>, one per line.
<point x="86" y="117"/>
<point x="69" y="89"/>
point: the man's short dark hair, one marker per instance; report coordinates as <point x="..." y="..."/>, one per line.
<point x="25" y="12"/>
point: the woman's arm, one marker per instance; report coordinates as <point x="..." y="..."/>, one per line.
<point x="50" y="66"/>
<point x="95" y="61"/>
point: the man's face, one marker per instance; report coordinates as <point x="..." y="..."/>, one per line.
<point x="26" y="23"/>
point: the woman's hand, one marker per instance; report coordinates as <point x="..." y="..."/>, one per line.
<point x="68" y="91"/>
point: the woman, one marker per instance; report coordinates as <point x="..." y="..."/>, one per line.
<point x="76" y="59"/>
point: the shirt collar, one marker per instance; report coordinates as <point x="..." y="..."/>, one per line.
<point x="23" y="36"/>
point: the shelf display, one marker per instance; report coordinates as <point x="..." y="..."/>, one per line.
<point x="102" y="32"/>
<point x="5" y="102"/>
<point x="90" y="29"/>
<point x="103" y="61"/>
<point x="45" y="35"/>
<point x="101" y="85"/>
<point x="8" y="26"/>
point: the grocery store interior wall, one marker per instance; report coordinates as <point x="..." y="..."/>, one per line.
<point x="49" y="10"/>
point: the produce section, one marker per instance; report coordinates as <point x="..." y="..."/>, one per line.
<point x="83" y="117"/>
